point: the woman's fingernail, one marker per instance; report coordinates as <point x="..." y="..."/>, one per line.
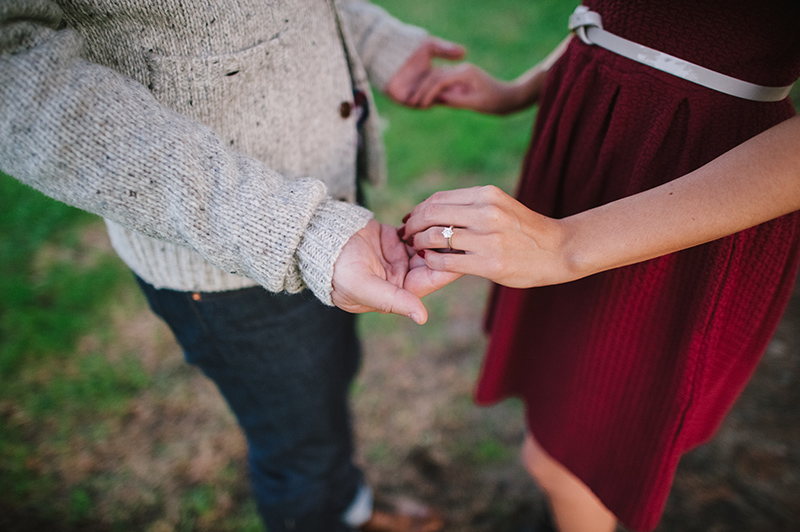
<point x="421" y="253"/>
<point x="401" y="232"/>
<point x="410" y="242"/>
<point x="406" y="217"/>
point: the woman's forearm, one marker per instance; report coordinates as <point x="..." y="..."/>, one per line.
<point x="528" y="86"/>
<point x="753" y="183"/>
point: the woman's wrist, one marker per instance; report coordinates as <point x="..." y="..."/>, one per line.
<point x="553" y="252"/>
<point x="527" y="89"/>
<point x="522" y="92"/>
<point x="580" y="249"/>
<point x="531" y="85"/>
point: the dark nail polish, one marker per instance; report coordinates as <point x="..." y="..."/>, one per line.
<point x="410" y="242"/>
<point x="401" y="232"/>
<point x="421" y="253"/>
<point x="406" y="217"/>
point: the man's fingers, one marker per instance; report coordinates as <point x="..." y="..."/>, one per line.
<point x="358" y="275"/>
<point x="423" y="280"/>
<point x="441" y="80"/>
<point x="453" y="264"/>
<point x="425" y="91"/>
<point x="447" y="50"/>
<point x="403" y="85"/>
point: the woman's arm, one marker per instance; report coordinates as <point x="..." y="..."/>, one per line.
<point x="512" y="245"/>
<point x="751" y="184"/>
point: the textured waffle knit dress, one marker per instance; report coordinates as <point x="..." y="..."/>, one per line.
<point x="624" y="371"/>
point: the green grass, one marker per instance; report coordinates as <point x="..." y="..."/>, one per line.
<point x="53" y="291"/>
<point x="45" y="308"/>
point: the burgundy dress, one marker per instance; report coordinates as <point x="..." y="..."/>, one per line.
<point x="625" y="370"/>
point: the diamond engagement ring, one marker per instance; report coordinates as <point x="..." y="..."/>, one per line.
<point x="447" y="232"/>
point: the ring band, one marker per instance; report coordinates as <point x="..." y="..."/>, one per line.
<point x="447" y="232"/>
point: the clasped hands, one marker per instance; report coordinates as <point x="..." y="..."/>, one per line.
<point x="379" y="271"/>
<point x="374" y="273"/>
<point x="389" y="270"/>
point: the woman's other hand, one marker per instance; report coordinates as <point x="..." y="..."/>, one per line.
<point x="466" y="86"/>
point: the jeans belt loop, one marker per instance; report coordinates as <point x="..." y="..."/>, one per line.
<point x="588" y="26"/>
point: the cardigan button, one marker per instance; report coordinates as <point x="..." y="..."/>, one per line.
<point x="345" y="109"/>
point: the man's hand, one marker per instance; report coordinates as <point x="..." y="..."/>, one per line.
<point x="407" y="80"/>
<point x="370" y="273"/>
<point x="422" y="280"/>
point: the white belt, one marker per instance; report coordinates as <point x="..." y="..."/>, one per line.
<point x="588" y="26"/>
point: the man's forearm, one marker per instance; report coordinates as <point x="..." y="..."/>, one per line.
<point x="95" y="139"/>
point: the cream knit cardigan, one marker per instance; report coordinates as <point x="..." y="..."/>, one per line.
<point x="208" y="133"/>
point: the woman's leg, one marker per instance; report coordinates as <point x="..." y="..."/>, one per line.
<point x="575" y="508"/>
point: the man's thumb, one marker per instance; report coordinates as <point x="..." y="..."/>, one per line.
<point x="407" y="304"/>
<point x="383" y="296"/>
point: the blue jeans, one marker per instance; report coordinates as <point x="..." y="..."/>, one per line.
<point x="284" y="363"/>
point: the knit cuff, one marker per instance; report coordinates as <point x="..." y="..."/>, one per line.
<point x="332" y="225"/>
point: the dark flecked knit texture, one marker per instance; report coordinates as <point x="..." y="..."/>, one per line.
<point x="206" y="133"/>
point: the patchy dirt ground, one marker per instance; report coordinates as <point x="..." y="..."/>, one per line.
<point x="419" y="436"/>
<point x="464" y="458"/>
<point x="748" y="476"/>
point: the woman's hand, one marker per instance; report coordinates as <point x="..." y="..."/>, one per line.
<point x="512" y="245"/>
<point x="466" y="86"/>
<point x="494" y="236"/>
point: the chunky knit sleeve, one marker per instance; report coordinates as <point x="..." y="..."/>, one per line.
<point x="92" y="138"/>
<point x="382" y="42"/>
